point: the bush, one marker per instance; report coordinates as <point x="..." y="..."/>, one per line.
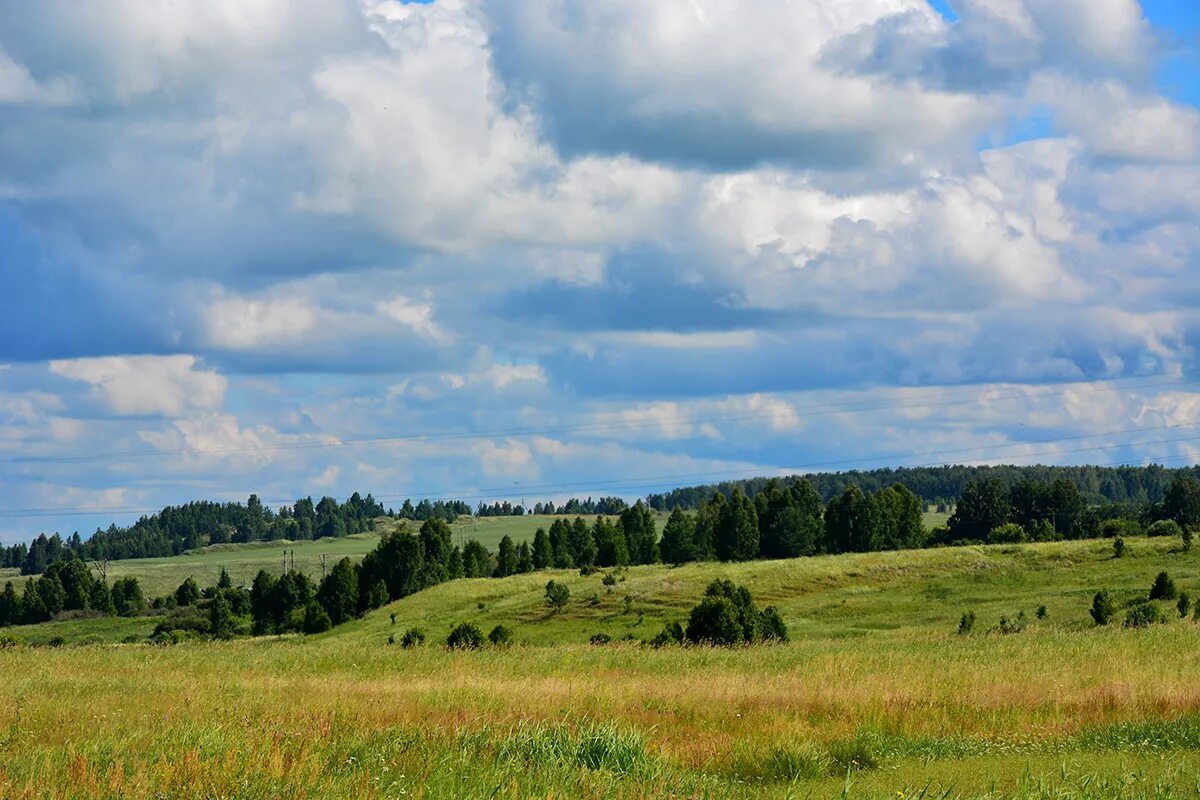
<point x="465" y="636"/>
<point x="8" y="642"/>
<point x="413" y="637"/>
<point x="1118" y="547"/>
<point x="727" y="615"/>
<point x="1013" y="625"/>
<point x="1163" y="588"/>
<point x="600" y="639"/>
<point x="316" y="618"/>
<point x="1184" y="605"/>
<point x="557" y="595"/>
<point x="1165" y="527"/>
<point x="1103" y="607"/>
<point x="771" y="625"/>
<point x="610" y="579"/>
<point x="1120" y="526"/>
<point x="672" y="633"/>
<point x="500" y="636"/>
<point x="1144" y="614"/>
<point x="966" y="623"/>
<point x="57" y="641"/>
<point x="1008" y="533"/>
<point x="1042" y="613"/>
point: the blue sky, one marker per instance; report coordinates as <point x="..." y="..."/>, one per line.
<point x="527" y="249"/>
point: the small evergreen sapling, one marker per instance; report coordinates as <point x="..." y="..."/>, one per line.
<point x="1163" y="588"/>
<point x="1103" y="607"/>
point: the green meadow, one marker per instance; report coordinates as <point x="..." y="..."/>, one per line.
<point x="876" y="695"/>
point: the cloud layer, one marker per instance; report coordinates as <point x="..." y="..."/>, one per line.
<point x="607" y="241"/>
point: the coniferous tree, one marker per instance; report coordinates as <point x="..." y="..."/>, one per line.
<point x="261" y="593"/>
<point x="560" y="544"/>
<point x="737" y="531"/>
<point x="506" y="558"/>
<point x="524" y="558"/>
<point x="789" y="520"/>
<point x="611" y="547"/>
<point x="221" y="621"/>
<point x="477" y="561"/>
<point x="637" y="523"/>
<point x="187" y="593"/>
<point x="708" y="521"/>
<point x="338" y="592"/>
<point x="583" y="543"/>
<point x="678" y="539"/>
<point x="10" y="605"/>
<point x="224" y="581"/>
<point x="543" y="555"/>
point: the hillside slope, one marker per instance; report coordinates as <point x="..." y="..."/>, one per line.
<point x="870" y="594"/>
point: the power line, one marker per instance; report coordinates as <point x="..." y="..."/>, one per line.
<point x="598" y="427"/>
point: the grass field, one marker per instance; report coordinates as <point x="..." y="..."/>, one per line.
<point x="875" y="696"/>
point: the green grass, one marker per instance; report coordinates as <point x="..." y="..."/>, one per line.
<point x="874" y="683"/>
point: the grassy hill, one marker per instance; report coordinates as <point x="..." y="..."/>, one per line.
<point x="874" y="684"/>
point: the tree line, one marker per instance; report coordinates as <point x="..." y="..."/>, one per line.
<point x="177" y="529"/>
<point x="784" y="520"/>
<point x="1098" y="485"/>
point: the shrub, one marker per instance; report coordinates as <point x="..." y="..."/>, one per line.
<point x="8" y="642"/>
<point x="1143" y="615"/>
<point x="1112" y="527"/>
<point x="966" y="623"/>
<point x="557" y="595"/>
<point x="1013" y="625"/>
<point x="465" y="636"/>
<point x="1187" y="538"/>
<point x="727" y="615"/>
<point x="1008" y="533"/>
<point x="771" y="625"/>
<point x="413" y="637"/>
<point x="600" y="639"/>
<point x="610" y="579"/>
<point x="57" y="641"/>
<point x="1184" y="605"/>
<point x="1163" y="588"/>
<point x="1042" y="613"/>
<point x="672" y="633"/>
<point x="316" y="618"/>
<point x="500" y="636"/>
<point x="1165" y="527"/>
<point x="1103" y="607"/>
<point x="1118" y="547"/>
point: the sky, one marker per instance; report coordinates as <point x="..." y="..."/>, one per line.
<point x="532" y="249"/>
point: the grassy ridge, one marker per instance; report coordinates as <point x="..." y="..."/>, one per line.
<point x="874" y="681"/>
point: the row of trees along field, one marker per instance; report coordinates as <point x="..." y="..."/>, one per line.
<point x="784" y="520"/>
<point x="1099" y="493"/>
